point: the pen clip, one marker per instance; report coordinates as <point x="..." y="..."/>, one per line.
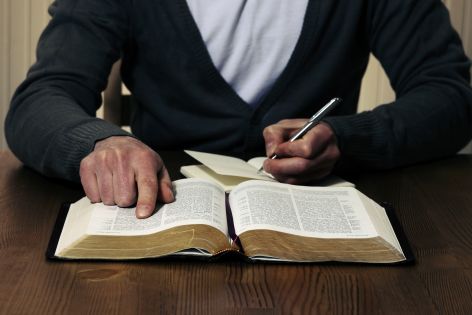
<point x="316" y="118"/>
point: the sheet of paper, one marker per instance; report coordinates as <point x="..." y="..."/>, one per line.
<point x="227" y="165"/>
<point x="257" y="162"/>
<point x="203" y="172"/>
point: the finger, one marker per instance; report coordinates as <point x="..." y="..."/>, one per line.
<point x="89" y="183"/>
<point x="279" y="133"/>
<point x="312" y="177"/>
<point x="297" y="166"/>
<point x="287" y="167"/>
<point x="105" y="186"/>
<point x="124" y="187"/>
<point x="146" y="179"/>
<point x="165" y="192"/>
<point x="313" y="143"/>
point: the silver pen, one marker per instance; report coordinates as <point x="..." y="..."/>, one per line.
<point x="312" y="122"/>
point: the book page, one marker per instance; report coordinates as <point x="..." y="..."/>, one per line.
<point x="227" y="165"/>
<point x="325" y="212"/>
<point x="257" y="162"/>
<point x="196" y="202"/>
<point x="381" y="222"/>
<point x="203" y="172"/>
<point x="75" y="224"/>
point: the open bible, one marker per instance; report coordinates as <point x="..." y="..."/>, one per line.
<point x="260" y="220"/>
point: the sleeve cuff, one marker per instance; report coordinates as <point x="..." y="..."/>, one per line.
<point x="78" y="142"/>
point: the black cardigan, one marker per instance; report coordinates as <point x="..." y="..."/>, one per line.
<point x="183" y="101"/>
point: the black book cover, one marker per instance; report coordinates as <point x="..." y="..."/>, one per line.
<point x="401" y="236"/>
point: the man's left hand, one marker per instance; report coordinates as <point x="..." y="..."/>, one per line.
<point x="304" y="160"/>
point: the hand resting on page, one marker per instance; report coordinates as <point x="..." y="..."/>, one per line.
<point x="123" y="171"/>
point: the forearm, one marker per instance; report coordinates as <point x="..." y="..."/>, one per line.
<point x="51" y="123"/>
<point x="426" y="124"/>
<point x="52" y="134"/>
<point x="426" y="65"/>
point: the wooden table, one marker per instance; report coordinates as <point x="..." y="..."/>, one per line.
<point x="434" y="203"/>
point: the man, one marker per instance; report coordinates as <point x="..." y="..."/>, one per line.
<point x="217" y="75"/>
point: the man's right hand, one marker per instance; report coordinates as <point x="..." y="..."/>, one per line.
<point x="122" y="171"/>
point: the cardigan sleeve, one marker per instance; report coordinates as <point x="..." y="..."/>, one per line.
<point x="51" y="124"/>
<point x="424" y="60"/>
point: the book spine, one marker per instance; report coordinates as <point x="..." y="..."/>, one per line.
<point x="235" y="242"/>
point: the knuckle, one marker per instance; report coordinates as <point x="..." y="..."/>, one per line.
<point x="149" y="181"/>
<point x="117" y="154"/>
<point x="125" y="199"/>
<point x="109" y="159"/>
<point x="145" y="154"/>
<point x="285" y="121"/>
<point x="333" y="153"/>
<point x="301" y="166"/>
<point x="306" y="150"/>
<point x="331" y="136"/>
<point x="86" y="164"/>
<point x="101" y="157"/>
<point x="268" y="131"/>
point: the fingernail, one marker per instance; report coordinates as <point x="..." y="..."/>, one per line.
<point x="171" y="190"/>
<point x="143" y="211"/>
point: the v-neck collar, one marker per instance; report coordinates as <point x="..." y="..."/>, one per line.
<point x="305" y="41"/>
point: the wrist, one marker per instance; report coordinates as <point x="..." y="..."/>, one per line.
<point x="113" y="139"/>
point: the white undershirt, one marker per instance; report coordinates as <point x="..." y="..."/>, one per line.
<point x="250" y="41"/>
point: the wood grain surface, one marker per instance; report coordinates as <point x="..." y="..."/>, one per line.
<point x="434" y="205"/>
